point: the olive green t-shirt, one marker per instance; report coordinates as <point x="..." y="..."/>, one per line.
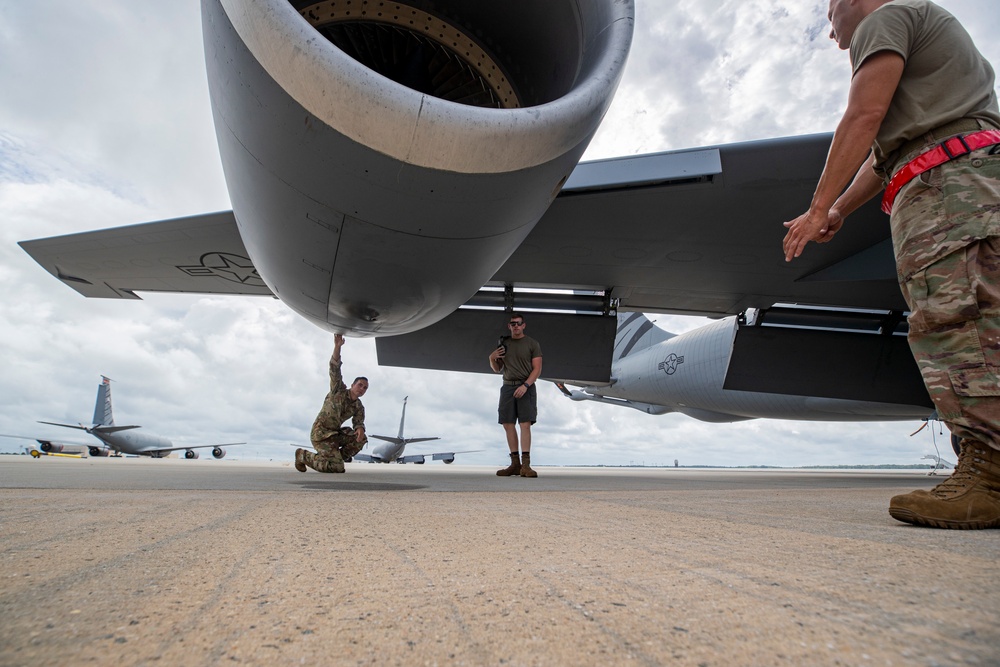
<point x="945" y="77"/>
<point x="517" y="361"/>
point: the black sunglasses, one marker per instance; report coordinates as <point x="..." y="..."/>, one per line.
<point x="515" y="324"/>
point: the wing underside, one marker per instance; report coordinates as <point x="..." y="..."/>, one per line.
<point x="688" y="232"/>
<point x="695" y="231"/>
<point x="699" y="232"/>
<point x="200" y="254"/>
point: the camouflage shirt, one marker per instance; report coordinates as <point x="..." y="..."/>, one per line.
<point x="337" y="407"/>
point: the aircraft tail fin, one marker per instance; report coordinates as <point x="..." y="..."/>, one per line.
<point x="402" y="419"/>
<point x="636" y="332"/>
<point x="102" y="409"/>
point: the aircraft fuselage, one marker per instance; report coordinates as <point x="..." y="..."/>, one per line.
<point x="686" y="374"/>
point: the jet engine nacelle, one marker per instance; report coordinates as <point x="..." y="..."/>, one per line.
<point x="218" y="452"/>
<point x="50" y="447"/>
<point x="190" y="454"/>
<point x="98" y="451"/>
<point x="384" y="159"/>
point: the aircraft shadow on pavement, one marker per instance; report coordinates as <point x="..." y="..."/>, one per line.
<point x="337" y="485"/>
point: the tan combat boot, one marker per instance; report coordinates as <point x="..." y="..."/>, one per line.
<point x="300" y="460"/>
<point x="513" y="470"/>
<point x="969" y="499"/>
<point x="526" y="470"/>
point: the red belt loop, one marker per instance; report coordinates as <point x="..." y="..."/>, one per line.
<point x="947" y="150"/>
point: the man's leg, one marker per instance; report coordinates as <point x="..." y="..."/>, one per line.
<point x="327" y="457"/>
<point x="506" y="416"/>
<point x="348" y="443"/>
<point x="960" y="364"/>
<point x="514" y="469"/>
<point x="526" y="470"/>
<point x="527" y="413"/>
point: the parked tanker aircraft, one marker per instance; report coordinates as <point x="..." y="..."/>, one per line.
<point x="404" y="174"/>
<point x="124" y="439"/>
<point x="393" y="449"/>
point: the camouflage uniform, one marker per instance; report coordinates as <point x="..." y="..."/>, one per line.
<point x="946" y="237"/>
<point x="946" y="221"/>
<point x="332" y="441"/>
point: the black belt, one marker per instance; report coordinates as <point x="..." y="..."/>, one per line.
<point x="514" y="383"/>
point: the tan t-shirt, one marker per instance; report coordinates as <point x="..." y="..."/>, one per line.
<point x="945" y="77"/>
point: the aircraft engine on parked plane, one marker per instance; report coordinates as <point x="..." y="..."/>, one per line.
<point x="50" y="447"/>
<point x="218" y="452"/>
<point x="385" y="159"/>
<point x="190" y="454"/>
<point x="98" y="451"/>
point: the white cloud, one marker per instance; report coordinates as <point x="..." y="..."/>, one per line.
<point x="105" y="120"/>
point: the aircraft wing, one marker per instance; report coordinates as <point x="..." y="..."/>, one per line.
<point x="58" y="446"/>
<point x="167" y="450"/>
<point x="694" y="232"/>
<point x="201" y="254"/>
<point x="395" y="439"/>
<point x="52" y="441"/>
<point x="447" y="457"/>
<point x="699" y="232"/>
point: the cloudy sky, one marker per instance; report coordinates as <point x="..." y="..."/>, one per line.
<point x="105" y="121"/>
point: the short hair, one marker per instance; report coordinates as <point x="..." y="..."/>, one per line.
<point x="516" y="314"/>
<point x="360" y="377"/>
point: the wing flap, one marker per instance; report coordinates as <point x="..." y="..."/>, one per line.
<point x="574" y="347"/>
<point x="201" y="254"/>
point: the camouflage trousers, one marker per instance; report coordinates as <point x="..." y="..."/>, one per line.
<point x="946" y="234"/>
<point x="333" y="449"/>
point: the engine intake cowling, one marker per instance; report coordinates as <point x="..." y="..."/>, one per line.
<point x="385" y="158"/>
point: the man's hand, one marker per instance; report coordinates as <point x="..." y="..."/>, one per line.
<point x="521" y="391"/>
<point x="359" y="434"/>
<point x="338" y="340"/>
<point x="810" y="226"/>
<point x="496" y="358"/>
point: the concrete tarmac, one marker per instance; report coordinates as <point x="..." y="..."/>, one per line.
<point x="173" y="562"/>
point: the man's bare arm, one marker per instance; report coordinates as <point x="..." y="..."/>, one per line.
<point x="496" y="359"/>
<point x="536" y="372"/>
<point x="871" y="93"/>
<point x="335" y="377"/>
